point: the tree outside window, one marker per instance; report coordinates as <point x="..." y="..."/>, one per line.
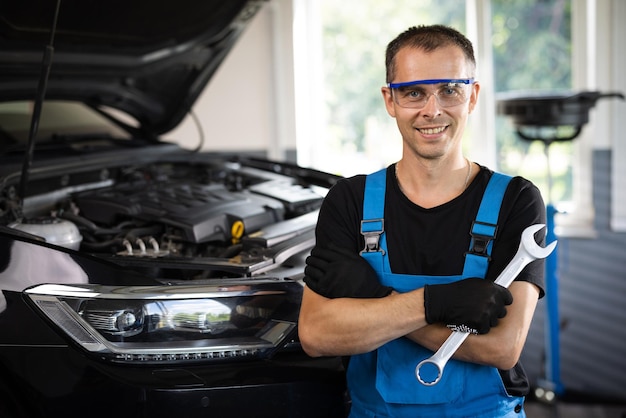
<point x="532" y="53"/>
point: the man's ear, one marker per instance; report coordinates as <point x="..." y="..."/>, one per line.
<point x="474" y="96"/>
<point x="389" y="103"/>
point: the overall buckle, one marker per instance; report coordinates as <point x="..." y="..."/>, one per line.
<point x="482" y="234"/>
<point x="371" y="230"/>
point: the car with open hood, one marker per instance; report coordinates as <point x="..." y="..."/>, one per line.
<point x="140" y="278"/>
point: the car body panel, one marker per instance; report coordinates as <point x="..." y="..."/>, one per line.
<point x="150" y="59"/>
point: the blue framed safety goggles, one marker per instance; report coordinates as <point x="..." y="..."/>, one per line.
<point x="432" y="81"/>
<point x="415" y="95"/>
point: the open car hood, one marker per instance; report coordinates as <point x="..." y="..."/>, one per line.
<point x="149" y="59"/>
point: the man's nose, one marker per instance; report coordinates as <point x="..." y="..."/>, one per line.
<point x="431" y="108"/>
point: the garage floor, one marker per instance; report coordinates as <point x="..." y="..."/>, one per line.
<point x="575" y="408"/>
<point x="568" y="410"/>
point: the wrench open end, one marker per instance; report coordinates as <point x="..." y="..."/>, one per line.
<point x="530" y="245"/>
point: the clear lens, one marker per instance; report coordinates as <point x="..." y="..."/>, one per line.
<point x="112" y="317"/>
<point x="416" y="96"/>
<point x="173" y="323"/>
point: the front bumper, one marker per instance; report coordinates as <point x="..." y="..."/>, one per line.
<point x="57" y="381"/>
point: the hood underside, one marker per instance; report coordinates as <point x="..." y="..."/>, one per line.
<point x="149" y="59"/>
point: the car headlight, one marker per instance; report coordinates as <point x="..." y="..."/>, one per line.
<point x="173" y="323"/>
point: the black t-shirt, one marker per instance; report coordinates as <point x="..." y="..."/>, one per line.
<point x="434" y="241"/>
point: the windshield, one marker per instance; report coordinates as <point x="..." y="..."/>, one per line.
<point x="59" y="120"/>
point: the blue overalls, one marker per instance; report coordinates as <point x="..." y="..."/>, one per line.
<point x="383" y="383"/>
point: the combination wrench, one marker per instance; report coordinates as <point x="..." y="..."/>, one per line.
<point x="527" y="252"/>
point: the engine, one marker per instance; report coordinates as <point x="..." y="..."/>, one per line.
<point x="225" y="218"/>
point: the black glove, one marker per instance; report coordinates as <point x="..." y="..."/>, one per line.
<point x="468" y="304"/>
<point x="334" y="272"/>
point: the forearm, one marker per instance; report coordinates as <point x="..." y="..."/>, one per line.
<point x="499" y="348"/>
<point x="485" y="349"/>
<point x="348" y="326"/>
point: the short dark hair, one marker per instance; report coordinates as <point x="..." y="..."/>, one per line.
<point x="428" y="38"/>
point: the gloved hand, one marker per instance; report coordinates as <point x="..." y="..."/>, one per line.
<point x="467" y="304"/>
<point x="335" y="272"/>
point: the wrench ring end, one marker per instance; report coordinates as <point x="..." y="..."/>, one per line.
<point x="419" y="377"/>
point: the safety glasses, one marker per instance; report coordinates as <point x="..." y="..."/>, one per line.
<point x="415" y="94"/>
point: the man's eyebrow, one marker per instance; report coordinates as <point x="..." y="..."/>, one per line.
<point x="413" y="86"/>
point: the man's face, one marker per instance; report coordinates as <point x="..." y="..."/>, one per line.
<point x="432" y="131"/>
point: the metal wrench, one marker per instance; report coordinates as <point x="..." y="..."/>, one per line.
<point x="528" y="251"/>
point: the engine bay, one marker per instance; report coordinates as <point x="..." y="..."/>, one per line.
<point x="205" y="219"/>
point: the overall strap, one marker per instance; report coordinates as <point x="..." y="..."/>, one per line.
<point x="373" y="223"/>
<point x="485" y="227"/>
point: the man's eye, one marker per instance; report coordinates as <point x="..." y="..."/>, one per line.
<point x="451" y="90"/>
<point x="412" y="94"/>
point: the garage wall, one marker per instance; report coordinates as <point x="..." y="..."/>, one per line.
<point x="592" y="304"/>
<point x="249" y="105"/>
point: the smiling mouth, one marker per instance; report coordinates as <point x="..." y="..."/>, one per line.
<point x="432" y="131"/>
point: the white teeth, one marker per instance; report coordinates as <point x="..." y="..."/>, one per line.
<point x="432" y="131"/>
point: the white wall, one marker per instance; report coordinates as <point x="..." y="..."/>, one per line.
<point x="601" y="67"/>
<point x="248" y="105"/>
<point x="617" y="62"/>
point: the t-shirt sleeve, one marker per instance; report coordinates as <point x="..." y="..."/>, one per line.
<point x="341" y="213"/>
<point x="522" y="206"/>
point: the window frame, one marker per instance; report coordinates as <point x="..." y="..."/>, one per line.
<point x="614" y="11"/>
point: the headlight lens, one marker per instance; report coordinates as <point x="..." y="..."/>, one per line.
<point x="173" y="323"/>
